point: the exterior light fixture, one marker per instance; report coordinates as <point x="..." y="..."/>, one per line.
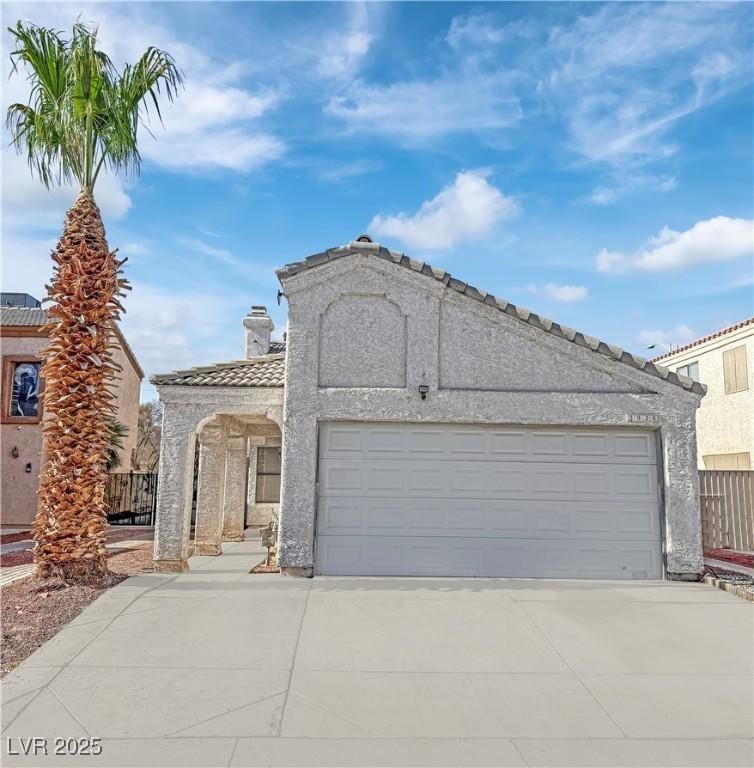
<point x="423" y="389"/>
<point x="28" y="467"/>
<point x="14" y="451"/>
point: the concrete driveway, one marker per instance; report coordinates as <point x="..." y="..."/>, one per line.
<point x="216" y="667"/>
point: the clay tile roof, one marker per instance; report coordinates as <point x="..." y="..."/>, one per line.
<point x="520" y="313"/>
<point x="266" y="371"/>
<point x="30" y="316"/>
<point x="708" y="337"/>
<point x="36" y="317"/>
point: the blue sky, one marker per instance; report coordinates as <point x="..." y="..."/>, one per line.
<point x="590" y="161"/>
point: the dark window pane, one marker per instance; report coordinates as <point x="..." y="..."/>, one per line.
<point x="24" y="396"/>
<point x="268" y="461"/>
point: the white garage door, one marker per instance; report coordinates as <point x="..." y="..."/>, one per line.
<point x="463" y="500"/>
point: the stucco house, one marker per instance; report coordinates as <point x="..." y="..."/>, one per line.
<point x="430" y="428"/>
<point x="22" y="321"/>
<point x="724" y="362"/>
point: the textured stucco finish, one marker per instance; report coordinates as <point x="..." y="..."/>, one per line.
<point x="187" y="410"/>
<point x="19" y="487"/>
<point x="234" y="503"/>
<point x="483" y="351"/>
<point x="127" y="389"/>
<point x="210" y="490"/>
<point x="724" y="423"/>
<point x="344" y="359"/>
<point x="540" y="379"/>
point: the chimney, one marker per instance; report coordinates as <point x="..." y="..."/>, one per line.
<point x="258" y="329"/>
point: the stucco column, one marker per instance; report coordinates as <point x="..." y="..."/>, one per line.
<point x="174" y="487"/>
<point x="209" y="492"/>
<point x="234" y="505"/>
<point x="683" y="532"/>
<point x="251" y="490"/>
<point x="298" y="496"/>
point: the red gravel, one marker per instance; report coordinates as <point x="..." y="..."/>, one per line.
<point x="115" y="534"/>
<point x="33" y="610"/>
<point x="732" y="556"/>
<point x="19" y="557"/>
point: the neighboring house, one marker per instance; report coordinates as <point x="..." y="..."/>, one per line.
<point x="23" y="339"/>
<point x="724" y="362"/>
<point x="146" y="454"/>
<point x="429" y="428"/>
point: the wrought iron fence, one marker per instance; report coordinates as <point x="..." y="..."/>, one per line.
<point x="131" y="498"/>
<point x="727" y="501"/>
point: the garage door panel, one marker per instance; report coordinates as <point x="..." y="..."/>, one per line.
<point x="486" y="479"/>
<point x="493" y="518"/>
<point x="508" y="480"/>
<point x="494" y="501"/>
<point x="415" y="556"/>
<point x="549" y="444"/>
<point x="635" y="446"/>
<point x="593" y="445"/>
<point x="452" y="443"/>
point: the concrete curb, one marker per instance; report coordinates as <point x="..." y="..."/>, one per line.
<point x="735" y="589"/>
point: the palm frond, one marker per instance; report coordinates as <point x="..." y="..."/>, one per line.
<point x="117" y="433"/>
<point x="82" y="114"/>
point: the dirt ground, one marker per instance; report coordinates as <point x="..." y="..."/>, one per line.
<point x="33" y="610"/>
<point x="114" y="534"/>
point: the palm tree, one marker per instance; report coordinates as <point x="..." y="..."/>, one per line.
<point x="117" y="433"/>
<point x="82" y="116"/>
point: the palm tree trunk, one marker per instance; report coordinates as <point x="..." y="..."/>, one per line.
<point x="69" y="529"/>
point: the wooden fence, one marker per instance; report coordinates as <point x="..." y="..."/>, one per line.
<point x="727" y="501"/>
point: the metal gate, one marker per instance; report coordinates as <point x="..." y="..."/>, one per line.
<point x="131" y="498"/>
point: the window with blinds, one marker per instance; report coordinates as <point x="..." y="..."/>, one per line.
<point x="268" y="476"/>
<point x="728" y="461"/>
<point x="735" y="370"/>
<point x="691" y="370"/>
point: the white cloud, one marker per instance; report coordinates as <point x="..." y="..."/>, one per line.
<point x="227" y="258"/>
<point x="342" y="52"/>
<point x="474" y="32"/>
<point x="26" y="263"/>
<point x="681" y="334"/>
<point x="26" y="202"/>
<point x="133" y="249"/>
<point x="623" y="74"/>
<point x="558" y="292"/>
<point x="712" y="240"/>
<point x="343" y="171"/>
<point x="468" y="209"/>
<point x="228" y="149"/>
<point x="213" y="123"/>
<point x="628" y="183"/>
<point x="170" y="329"/>
<point x="421" y="109"/>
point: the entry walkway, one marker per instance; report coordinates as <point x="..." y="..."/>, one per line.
<point x="217" y="667"/>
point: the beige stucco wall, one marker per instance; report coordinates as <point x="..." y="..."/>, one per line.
<point x="724" y="423"/>
<point x="18" y="488"/>
<point x="127" y="391"/>
<point x="18" y="494"/>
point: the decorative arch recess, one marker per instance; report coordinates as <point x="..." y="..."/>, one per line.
<point x="362" y="342"/>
